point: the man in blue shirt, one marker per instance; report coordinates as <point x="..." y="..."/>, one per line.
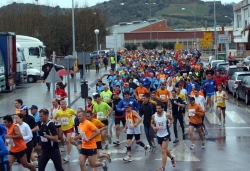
<point x="111" y="78"/>
<point x="210" y="86"/>
<point x="127" y="100"/>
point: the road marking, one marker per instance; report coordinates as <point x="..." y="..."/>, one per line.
<point x="116" y="151"/>
<point x="212" y="118"/>
<point x="121" y="159"/>
<point x="182" y="153"/>
<point x="235" y="117"/>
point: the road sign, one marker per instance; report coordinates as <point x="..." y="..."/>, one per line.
<point x="178" y="46"/>
<point x="223" y="38"/>
<point x="83" y="58"/>
<point x="53" y="77"/>
<point x="207" y="36"/>
<point x="113" y="41"/>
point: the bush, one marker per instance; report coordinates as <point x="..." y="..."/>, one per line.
<point x="168" y="45"/>
<point x="150" y="45"/>
<point x="131" y="46"/>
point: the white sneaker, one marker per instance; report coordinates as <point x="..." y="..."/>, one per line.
<point x="192" y="147"/>
<point x="63" y="149"/>
<point x="127" y="158"/>
<point x="147" y="149"/>
<point x="66" y="158"/>
<point x="224" y="122"/>
<point x="219" y="124"/>
<point x="203" y="144"/>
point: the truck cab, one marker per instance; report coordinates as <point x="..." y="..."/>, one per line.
<point x="2" y="73"/>
<point x="21" y="66"/>
<point x="34" y="51"/>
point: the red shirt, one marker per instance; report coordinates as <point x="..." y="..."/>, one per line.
<point x="148" y="75"/>
<point x="59" y="94"/>
<point x="218" y="80"/>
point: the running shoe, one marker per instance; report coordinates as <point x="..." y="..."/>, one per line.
<point x="173" y="162"/>
<point x="152" y="148"/>
<point x="203" y="144"/>
<point x="219" y="124"/>
<point x="105" y="167"/>
<point x="161" y="169"/>
<point x="183" y="137"/>
<point x="66" y="158"/>
<point x="192" y="147"/>
<point x="147" y="149"/>
<point x="116" y="143"/>
<point x="106" y="146"/>
<point x="127" y="158"/>
<point x="109" y="139"/>
<point x="224" y="122"/>
<point x="176" y="140"/>
<point x="108" y="156"/>
<point x="63" y="149"/>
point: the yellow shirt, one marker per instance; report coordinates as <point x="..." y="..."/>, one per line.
<point x="219" y="99"/>
<point x="66" y="118"/>
<point x="182" y="96"/>
<point x="99" y="125"/>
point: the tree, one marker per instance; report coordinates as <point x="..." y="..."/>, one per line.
<point x="150" y="45"/>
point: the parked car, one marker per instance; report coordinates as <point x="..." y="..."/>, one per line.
<point x="229" y="71"/>
<point x="33" y="74"/>
<point x="234" y="81"/>
<point x="215" y="62"/>
<point x="246" y="61"/>
<point x="243" y="90"/>
<point x="221" y="65"/>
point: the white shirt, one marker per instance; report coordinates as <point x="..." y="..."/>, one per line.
<point x="210" y="59"/>
<point x="170" y="89"/>
<point x="184" y="91"/>
<point x="201" y="101"/>
<point x="26" y="132"/>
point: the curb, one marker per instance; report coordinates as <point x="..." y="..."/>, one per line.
<point x="90" y="86"/>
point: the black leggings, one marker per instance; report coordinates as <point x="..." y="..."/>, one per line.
<point x="28" y="150"/>
<point x="54" y="155"/>
<point x="180" y="118"/>
<point x="149" y="132"/>
<point x="5" y="166"/>
<point x="97" y="68"/>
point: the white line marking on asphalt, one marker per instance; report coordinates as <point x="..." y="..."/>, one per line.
<point x="235" y="117"/>
<point x="133" y="158"/>
<point x="212" y="118"/>
<point x="115" y="151"/>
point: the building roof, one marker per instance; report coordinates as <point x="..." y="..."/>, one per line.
<point x="130" y="27"/>
<point x="157" y="26"/>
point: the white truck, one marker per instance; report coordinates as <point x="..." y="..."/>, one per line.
<point x="21" y="65"/>
<point x="34" y="51"/>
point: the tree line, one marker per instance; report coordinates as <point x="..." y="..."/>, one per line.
<point x="53" y="26"/>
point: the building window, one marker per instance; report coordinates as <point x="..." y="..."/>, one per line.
<point x="238" y="21"/>
<point x="245" y="17"/>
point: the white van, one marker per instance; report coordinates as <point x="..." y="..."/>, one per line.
<point x="34" y="51"/>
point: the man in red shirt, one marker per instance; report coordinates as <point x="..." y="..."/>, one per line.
<point x="60" y="93"/>
<point x="218" y="80"/>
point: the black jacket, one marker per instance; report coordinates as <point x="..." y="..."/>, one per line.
<point x="147" y="109"/>
<point x="115" y="103"/>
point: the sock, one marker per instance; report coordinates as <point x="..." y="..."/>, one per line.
<point x="141" y="144"/>
<point x="117" y="140"/>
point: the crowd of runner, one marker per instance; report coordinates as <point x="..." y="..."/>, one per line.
<point x="149" y="88"/>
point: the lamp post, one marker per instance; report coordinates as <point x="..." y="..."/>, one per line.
<point x="150" y="4"/>
<point x="230" y="19"/>
<point x="74" y="39"/>
<point x="96" y="34"/>
<point x="215" y="34"/>
<point x="36" y="2"/>
<point x="194" y="25"/>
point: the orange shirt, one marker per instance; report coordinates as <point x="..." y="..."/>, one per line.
<point x="99" y="125"/>
<point x="17" y="111"/>
<point x="86" y="129"/>
<point x="200" y="93"/>
<point x="164" y="95"/>
<point x="162" y="77"/>
<point x="139" y="92"/>
<point x="20" y="144"/>
<point x="197" y="118"/>
<point x="130" y="117"/>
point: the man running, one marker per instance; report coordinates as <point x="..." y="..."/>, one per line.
<point x="210" y="86"/>
<point x="139" y="92"/>
<point x="164" y="95"/>
<point x="102" y="111"/>
<point x="60" y="93"/>
<point x="18" y="104"/>
<point x="65" y="114"/>
<point x="49" y="142"/>
<point x="88" y="132"/>
<point x="106" y="96"/>
<point x="195" y="113"/>
<point x="132" y="129"/>
<point x="160" y="124"/>
<point x="221" y="97"/>
<point x="175" y="105"/>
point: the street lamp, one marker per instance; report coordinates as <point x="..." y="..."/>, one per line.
<point x="183" y="9"/>
<point x="230" y="19"/>
<point x="74" y="39"/>
<point x="215" y="34"/>
<point x="150" y="4"/>
<point x="96" y="33"/>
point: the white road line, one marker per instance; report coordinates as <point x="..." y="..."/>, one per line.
<point x="115" y="151"/>
<point x="133" y="158"/>
<point x="235" y="117"/>
<point x="212" y="118"/>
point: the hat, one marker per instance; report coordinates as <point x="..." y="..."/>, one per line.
<point x="209" y="75"/>
<point x="33" y="107"/>
<point x="23" y="107"/>
<point x="128" y="105"/>
<point x="191" y="99"/>
<point x="116" y="92"/>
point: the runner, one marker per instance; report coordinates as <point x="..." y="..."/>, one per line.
<point x="220" y="97"/>
<point x="160" y="124"/>
<point x="139" y="92"/>
<point x="164" y="95"/>
<point x="119" y="117"/>
<point x="111" y="78"/>
<point x="148" y="109"/>
<point x="127" y="100"/>
<point x="60" y="93"/>
<point x="90" y="105"/>
<point x="67" y="125"/>
<point x="15" y="140"/>
<point x="18" y="104"/>
<point x="106" y="96"/>
<point x="132" y="129"/>
<point x="210" y="85"/>
<point x="49" y="142"/>
<point x="88" y="132"/>
<point x="175" y="106"/>
<point x="55" y="107"/>
<point x="102" y="111"/>
<point x="195" y="113"/>
<point x="4" y="162"/>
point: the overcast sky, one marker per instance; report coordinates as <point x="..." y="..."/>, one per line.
<point x="68" y="3"/>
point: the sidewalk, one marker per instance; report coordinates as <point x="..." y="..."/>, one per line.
<point x="37" y="94"/>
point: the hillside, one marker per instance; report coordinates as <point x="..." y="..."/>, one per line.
<point x="170" y="10"/>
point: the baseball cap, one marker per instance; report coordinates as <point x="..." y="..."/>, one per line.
<point x="191" y="99"/>
<point x="116" y="92"/>
<point x="33" y="107"/>
<point x="24" y="107"/>
<point x="128" y="105"/>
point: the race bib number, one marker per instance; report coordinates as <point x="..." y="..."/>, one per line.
<point x="100" y="115"/>
<point x="58" y="97"/>
<point x="65" y="121"/>
<point x="140" y="96"/>
<point x="163" y="97"/>
<point x="129" y="122"/>
<point x="43" y="139"/>
<point x="161" y="125"/>
<point x="191" y="112"/>
<point x="106" y="97"/>
<point x="162" y="79"/>
<point x="83" y="135"/>
<point x="220" y="100"/>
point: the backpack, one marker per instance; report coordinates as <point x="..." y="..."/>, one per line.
<point x="3" y="131"/>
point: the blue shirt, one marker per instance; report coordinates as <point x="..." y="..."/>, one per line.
<point x="118" y="82"/>
<point x="99" y="89"/>
<point x="124" y="102"/>
<point x="111" y="79"/>
<point x="209" y="86"/>
<point x="3" y="151"/>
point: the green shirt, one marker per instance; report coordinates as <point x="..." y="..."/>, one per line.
<point x="101" y="110"/>
<point x="106" y="95"/>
